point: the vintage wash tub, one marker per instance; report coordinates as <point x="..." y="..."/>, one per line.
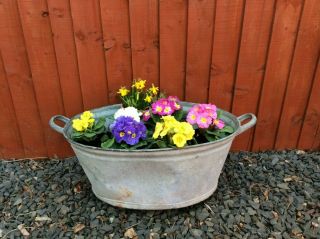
<point x="154" y="178"/>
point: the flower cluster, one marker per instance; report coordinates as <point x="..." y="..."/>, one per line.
<point x="126" y="129"/>
<point x="86" y="121"/>
<point x="166" y="106"/>
<point x="139" y="96"/>
<point x="148" y="119"/>
<point x="179" y="132"/>
<point x="204" y="115"/>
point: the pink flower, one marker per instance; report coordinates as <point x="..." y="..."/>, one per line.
<point x="165" y="106"/>
<point x="218" y="123"/>
<point x="146" y="116"/>
<point x="173" y="98"/>
<point x="192" y="118"/>
<point x="204" y="121"/>
<point x="202" y="114"/>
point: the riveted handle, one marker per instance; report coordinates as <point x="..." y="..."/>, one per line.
<point x="56" y="127"/>
<point x="251" y="123"/>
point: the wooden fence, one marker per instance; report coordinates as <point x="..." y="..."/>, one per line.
<point x="64" y="56"/>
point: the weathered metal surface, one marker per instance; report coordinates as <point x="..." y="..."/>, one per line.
<point x="154" y="178"/>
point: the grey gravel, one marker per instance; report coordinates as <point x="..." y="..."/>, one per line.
<point x="260" y="195"/>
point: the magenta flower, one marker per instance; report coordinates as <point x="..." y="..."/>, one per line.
<point x="218" y="123"/>
<point x="165" y="106"/>
<point x="146" y="115"/>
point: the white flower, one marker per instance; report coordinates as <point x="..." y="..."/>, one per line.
<point x="129" y="112"/>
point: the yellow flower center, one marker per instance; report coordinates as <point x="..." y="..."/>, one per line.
<point x="167" y="109"/>
<point x="133" y="135"/>
<point x="193" y="117"/>
<point x="122" y="134"/>
<point x="203" y="120"/>
<point x="158" y="108"/>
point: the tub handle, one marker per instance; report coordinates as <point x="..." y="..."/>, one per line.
<point x="56" y="127"/>
<point x="251" y="123"/>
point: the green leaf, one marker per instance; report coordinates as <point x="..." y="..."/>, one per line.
<point x="76" y="134"/>
<point x="228" y="129"/>
<point x="139" y="145"/>
<point x="89" y="134"/>
<point x="155" y="118"/>
<point x="100" y="130"/>
<point x="99" y="124"/>
<point x="107" y="144"/>
<point x="219" y="114"/>
<point x="209" y="137"/>
<point x="104" y="138"/>
<point x="179" y="115"/>
<point x="161" y="144"/>
<point x="214" y="132"/>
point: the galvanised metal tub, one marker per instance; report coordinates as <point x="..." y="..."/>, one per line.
<point x="154" y="178"/>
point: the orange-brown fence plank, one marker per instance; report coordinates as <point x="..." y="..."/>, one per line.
<point x="62" y="29"/>
<point x="199" y="49"/>
<point x="226" y="38"/>
<point x="39" y="42"/>
<point x="144" y="28"/>
<point x="301" y="75"/>
<point x="173" y="40"/>
<point x="19" y="80"/>
<point x="257" y="25"/>
<point x="117" y="45"/>
<point x="281" y="50"/>
<point x="10" y="140"/>
<point x="310" y="132"/>
<point x="89" y="44"/>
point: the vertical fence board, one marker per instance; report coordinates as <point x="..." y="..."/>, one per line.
<point x="309" y="137"/>
<point x="10" y="141"/>
<point x="19" y="79"/>
<point x="62" y="29"/>
<point x="277" y="70"/>
<point x="61" y="57"/>
<point x="227" y="27"/>
<point x="117" y="45"/>
<point x="144" y="27"/>
<point x="199" y="49"/>
<point x="38" y="37"/>
<point x="173" y="40"/>
<point x="255" y="36"/>
<point x="89" y="45"/>
<point x="301" y="75"/>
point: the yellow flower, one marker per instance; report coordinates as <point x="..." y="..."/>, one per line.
<point x="140" y="84"/>
<point x="154" y="90"/>
<point x="148" y="98"/>
<point x="159" y="127"/>
<point x="179" y="140"/>
<point x="187" y="130"/>
<point x="123" y="91"/>
<point x="86" y="120"/>
<point x="78" y="125"/>
<point x="165" y="130"/>
<point x="86" y="115"/>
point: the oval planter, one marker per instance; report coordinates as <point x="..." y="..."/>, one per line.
<point x="154" y="178"/>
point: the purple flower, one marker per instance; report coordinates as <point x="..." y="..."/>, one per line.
<point x="128" y="130"/>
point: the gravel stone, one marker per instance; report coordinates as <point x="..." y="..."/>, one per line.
<point x="260" y="195"/>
